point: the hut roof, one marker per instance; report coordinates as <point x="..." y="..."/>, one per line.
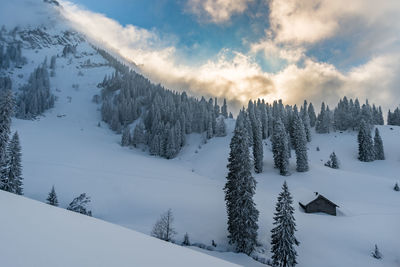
<point x="317" y="197"/>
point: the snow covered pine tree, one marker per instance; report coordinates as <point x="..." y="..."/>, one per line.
<point x="52" y="198"/>
<point x="378" y="146"/>
<point x="12" y="179"/>
<point x="365" y="143"/>
<point x="283" y="239"/>
<point x="239" y="190"/>
<point x="280" y="147"/>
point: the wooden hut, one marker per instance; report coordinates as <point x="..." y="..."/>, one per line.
<point x="320" y="204"/>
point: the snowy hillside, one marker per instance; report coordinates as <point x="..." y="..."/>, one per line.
<point x="69" y="147"/>
<point x="41" y="235"/>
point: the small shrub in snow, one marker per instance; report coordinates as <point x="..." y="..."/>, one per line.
<point x="186" y="241"/>
<point x="318" y="148"/>
<point x="163" y="228"/>
<point x="79" y="204"/>
<point x="376" y="253"/>
<point x="396" y="187"/>
<point x="333" y="161"/>
<point x="213" y="243"/>
<point x="52" y="198"/>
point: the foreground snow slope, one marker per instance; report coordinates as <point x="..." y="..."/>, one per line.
<point x="37" y="234"/>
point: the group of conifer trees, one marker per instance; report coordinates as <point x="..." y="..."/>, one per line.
<point x="347" y="115"/>
<point x="79" y="204"/>
<point x="393" y="118"/>
<point x="10" y="150"/>
<point x="240" y="189"/>
<point x="369" y="149"/>
<point x="288" y="128"/>
<point x="35" y="97"/>
<point x="162" y="117"/>
<point x="241" y="209"/>
<point x="11" y="54"/>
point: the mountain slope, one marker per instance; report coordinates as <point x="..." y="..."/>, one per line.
<point x="68" y="149"/>
<point x="42" y="235"/>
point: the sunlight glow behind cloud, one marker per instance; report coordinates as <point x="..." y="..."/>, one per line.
<point x="295" y="25"/>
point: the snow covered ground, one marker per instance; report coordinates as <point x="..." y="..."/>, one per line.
<point x="67" y="149"/>
<point x="37" y="234"/>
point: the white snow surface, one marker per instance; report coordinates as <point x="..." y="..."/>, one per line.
<point x="37" y="234"/>
<point x="130" y="188"/>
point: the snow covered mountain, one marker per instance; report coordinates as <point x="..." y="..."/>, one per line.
<point x="71" y="148"/>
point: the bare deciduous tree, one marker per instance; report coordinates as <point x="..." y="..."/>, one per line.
<point x="163" y="228"/>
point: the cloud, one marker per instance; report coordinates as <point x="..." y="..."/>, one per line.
<point x="310" y="21"/>
<point x="315" y="81"/>
<point x="232" y="75"/>
<point x="216" y="11"/>
<point x="237" y="76"/>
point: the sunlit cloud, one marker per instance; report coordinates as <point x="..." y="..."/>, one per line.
<point x="216" y="11"/>
<point x="237" y="76"/>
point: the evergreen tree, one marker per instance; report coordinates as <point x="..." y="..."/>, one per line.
<point x="186" y="241"/>
<point x="300" y="144"/>
<point x="365" y="143"/>
<point x="52" y="197"/>
<point x="283" y="239"/>
<point x="163" y="228"/>
<point x="224" y="109"/>
<point x="396" y="187"/>
<point x="126" y="137"/>
<point x="311" y="113"/>
<point x="323" y="123"/>
<point x="333" y="161"/>
<point x="257" y="138"/>
<point x="306" y="121"/>
<point x="6" y="110"/>
<point x="378" y="146"/>
<point x="12" y="178"/>
<point x="79" y="204"/>
<point x="280" y="147"/>
<point x="139" y="135"/>
<point x="220" y="127"/>
<point x="239" y="190"/>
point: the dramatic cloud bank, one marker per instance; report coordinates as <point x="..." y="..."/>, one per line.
<point x="296" y="25"/>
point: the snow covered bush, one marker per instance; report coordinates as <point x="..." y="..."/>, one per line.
<point x="333" y="161"/>
<point x="79" y="204"/>
<point x="396" y="187"/>
<point x="376" y="253"/>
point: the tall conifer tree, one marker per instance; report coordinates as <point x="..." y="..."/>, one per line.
<point x="283" y="239"/>
<point x="239" y="190"/>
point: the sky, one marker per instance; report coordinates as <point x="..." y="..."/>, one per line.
<point x="319" y="50"/>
